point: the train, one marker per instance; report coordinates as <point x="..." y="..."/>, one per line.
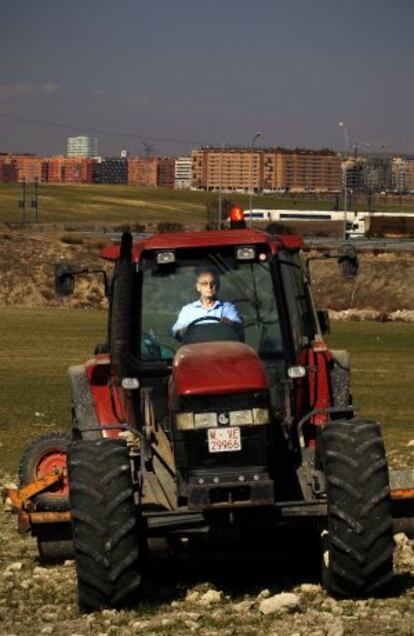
<point x="358" y="224"/>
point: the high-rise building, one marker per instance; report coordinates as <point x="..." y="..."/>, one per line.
<point x="82" y="147"/>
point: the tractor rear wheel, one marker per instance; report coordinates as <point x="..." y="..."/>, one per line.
<point x="41" y="457"/>
<point x="358" y="543"/>
<point x="105" y="524"/>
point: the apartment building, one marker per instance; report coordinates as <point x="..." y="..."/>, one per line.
<point x="271" y="170"/>
<point x="62" y="169"/>
<point x="111" y="170"/>
<point x="165" y="172"/>
<point x="301" y="170"/>
<point x="31" y="168"/>
<point x="82" y="146"/>
<point x="142" y="172"/>
<point x="8" y="169"/>
<point x="403" y="175"/>
<point x="182" y="175"/>
<point x="230" y="169"/>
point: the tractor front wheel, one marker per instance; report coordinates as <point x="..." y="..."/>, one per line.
<point x="105" y="524"/>
<point x="358" y="542"/>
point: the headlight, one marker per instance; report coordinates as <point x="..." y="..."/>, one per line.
<point x="205" y="420"/>
<point x="260" y="416"/>
<point x="238" y="418"/>
<point x="185" y="421"/>
<point x="247" y="417"/>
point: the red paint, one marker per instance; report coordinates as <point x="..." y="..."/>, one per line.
<point x="205" y="238"/>
<point x="319" y="364"/>
<point x="108" y="400"/>
<point x="215" y="368"/>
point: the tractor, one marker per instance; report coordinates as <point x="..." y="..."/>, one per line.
<point x="222" y="432"/>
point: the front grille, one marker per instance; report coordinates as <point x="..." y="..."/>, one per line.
<point x="226" y="402"/>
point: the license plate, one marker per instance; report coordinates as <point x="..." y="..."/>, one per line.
<point x="221" y="440"/>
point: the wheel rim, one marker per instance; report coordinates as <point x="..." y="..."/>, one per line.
<point x="46" y="464"/>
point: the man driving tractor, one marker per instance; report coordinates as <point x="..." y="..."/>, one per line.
<point x="207" y="306"/>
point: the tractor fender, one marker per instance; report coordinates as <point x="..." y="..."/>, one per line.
<point x="83" y="407"/>
<point x="341" y="378"/>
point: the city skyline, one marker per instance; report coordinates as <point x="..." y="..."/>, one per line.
<point x="179" y="75"/>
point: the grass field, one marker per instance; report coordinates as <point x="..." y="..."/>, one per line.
<point x="118" y="203"/>
<point x="37" y="346"/>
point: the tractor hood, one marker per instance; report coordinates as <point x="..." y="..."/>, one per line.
<point x="216" y="367"/>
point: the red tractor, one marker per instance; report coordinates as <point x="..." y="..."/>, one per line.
<point x="231" y="427"/>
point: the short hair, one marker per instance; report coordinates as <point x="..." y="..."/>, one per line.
<point x="207" y="270"/>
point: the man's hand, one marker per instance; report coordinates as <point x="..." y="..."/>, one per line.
<point x="181" y="332"/>
<point x="226" y="321"/>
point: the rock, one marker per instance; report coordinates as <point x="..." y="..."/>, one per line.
<point x="404" y="554"/>
<point x="335" y="627"/>
<point x="243" y="606"/>
<point x="411" y="442"/>
<point x="310" y="588"/>
<point x="14" y="567"/>
<point x="263" y="594"/>
<point x="139" y="625"/>
<point x="192" y="597"/>
<point x="48" y="629"/>
<point x="210" y="597"/>
<point x="284" y="602"/>
<point x="191" y="625"/>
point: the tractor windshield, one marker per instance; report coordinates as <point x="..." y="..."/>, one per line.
<point x="243" y="286"/>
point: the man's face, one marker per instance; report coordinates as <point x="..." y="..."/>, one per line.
<point x="207" y="286"/>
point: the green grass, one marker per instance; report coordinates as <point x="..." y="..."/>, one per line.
<point x="118" y="203"/>
<point x="37" y="346"/>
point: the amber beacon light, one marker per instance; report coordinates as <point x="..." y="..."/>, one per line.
<point x="237" y="217"/>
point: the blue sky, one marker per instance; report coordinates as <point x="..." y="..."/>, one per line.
<point x="178" y="73"/>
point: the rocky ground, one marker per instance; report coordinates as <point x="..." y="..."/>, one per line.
<point x="200" y="600"/>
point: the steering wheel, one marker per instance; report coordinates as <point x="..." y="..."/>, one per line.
<point x="203" y="319"/>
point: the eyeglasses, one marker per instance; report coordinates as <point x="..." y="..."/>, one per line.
<point x="206" y="283"/>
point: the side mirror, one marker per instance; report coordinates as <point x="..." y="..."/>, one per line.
<point x="324" y="322"/>
<point x="64" y="279"/>
<point x="348" y="261"/>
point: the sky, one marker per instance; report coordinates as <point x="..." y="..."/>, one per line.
<point x="176" y="74"/>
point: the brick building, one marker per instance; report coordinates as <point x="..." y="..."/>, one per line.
<point x="272" y="170"/>
<point x="230" y="169"/>
<point x="31" y="168"/>
<point x="301" y="170"/>
<point x="165" y="172"/>
<point x="142" y="172"/>
<point x="8" y="169"/>
<point x="62" y="169"/>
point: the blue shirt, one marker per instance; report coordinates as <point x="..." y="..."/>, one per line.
<point x="220" y="309"/>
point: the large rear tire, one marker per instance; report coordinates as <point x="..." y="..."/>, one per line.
<point x="105" y="524"/>
<point x="358" y="544"/>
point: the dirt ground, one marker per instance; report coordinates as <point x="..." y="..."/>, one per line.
<point x="27" y="260"/>
<point x="213" y="595"/>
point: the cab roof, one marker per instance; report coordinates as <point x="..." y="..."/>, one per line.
<point x="205" y="238"/>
